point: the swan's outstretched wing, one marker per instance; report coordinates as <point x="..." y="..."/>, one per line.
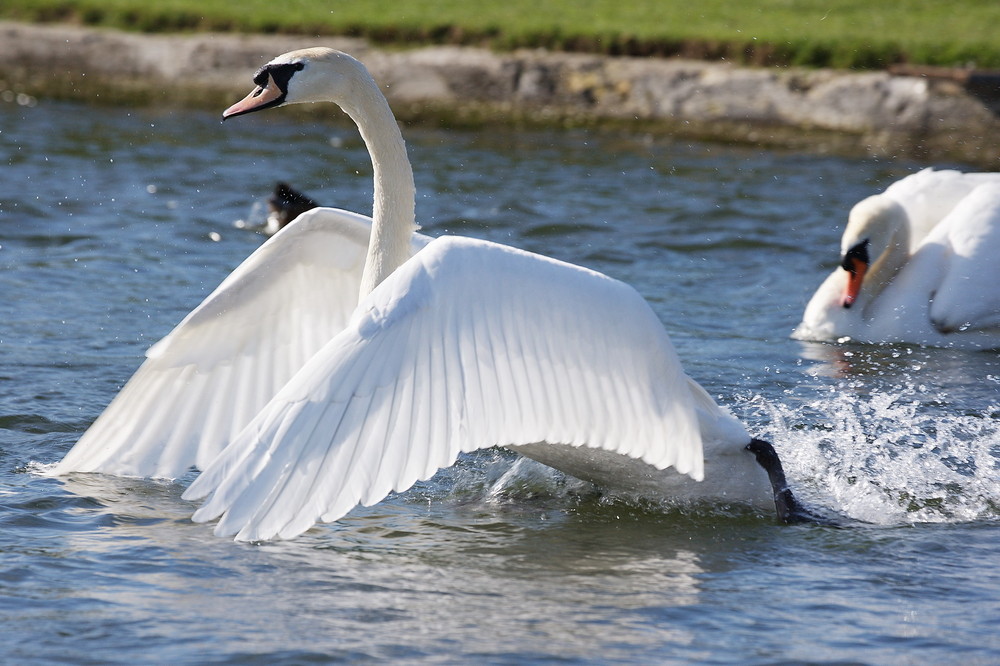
<point x="467" y="345"/>
<point x="968" y="297"/>
<point x="202" y="383"/>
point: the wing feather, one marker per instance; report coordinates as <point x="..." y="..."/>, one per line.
<point x="467" y="345"/>
<point x="929" y="195"/>
<point x="203" y="383"/>
<point x="967" y="297"/>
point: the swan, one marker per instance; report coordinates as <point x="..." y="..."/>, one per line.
<point x="918" y="265"/>
<point x="349" y="357"/>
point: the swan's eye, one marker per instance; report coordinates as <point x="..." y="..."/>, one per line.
<point x="277" y="75"/>
<point x="857" y="253"/>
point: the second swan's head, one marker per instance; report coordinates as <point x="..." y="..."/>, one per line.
<point x="875" y="225"/>
<point x="307" y="75"/>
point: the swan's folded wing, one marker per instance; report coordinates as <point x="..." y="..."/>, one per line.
<point x="968" y="297"/>
<point x="467" y="345"/>
<point x="203" y="382"/>
<point x="929" y="195"/>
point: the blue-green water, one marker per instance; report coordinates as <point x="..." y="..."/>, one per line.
<point x="115" y="222"/>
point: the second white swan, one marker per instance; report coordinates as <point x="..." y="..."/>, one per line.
<point x="919" y="264"/>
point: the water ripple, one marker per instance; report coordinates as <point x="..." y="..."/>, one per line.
<point x="117" y="222"/>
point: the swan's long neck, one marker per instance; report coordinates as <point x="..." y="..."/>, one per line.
<point x="393" y="217"/>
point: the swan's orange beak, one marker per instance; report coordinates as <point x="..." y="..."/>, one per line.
<point x="262" y="97"/>
<point x="855" y="275"/>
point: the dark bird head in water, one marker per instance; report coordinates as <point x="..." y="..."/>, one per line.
<point x="286" y="204"/>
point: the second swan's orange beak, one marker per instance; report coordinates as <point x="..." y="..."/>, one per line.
<point x="855" y="275"/>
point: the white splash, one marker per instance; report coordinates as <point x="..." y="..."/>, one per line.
<point x="256" y="218"/>
<point x="888" y="457"/>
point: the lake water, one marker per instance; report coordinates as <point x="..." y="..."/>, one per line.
<point x="115" y="222"/>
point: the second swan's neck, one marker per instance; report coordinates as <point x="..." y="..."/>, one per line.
<point x="393" y="216"/>
<point x="887" y="265"/>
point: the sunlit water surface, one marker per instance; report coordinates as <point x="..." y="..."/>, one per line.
<point x="114" y="223"/>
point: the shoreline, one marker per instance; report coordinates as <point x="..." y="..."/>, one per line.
<point x="924" y="117"/>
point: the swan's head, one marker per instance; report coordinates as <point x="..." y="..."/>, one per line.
<point x="307" y="75"/>
<point x="874" y="225"/>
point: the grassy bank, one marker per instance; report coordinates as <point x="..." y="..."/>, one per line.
<point x="859" y="34"/>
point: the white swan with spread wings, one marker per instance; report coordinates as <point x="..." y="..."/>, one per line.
<point x="350" y="356"/>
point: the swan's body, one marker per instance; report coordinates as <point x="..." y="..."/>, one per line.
<point x="299" y="399"/>
<point x="920" y="264"/>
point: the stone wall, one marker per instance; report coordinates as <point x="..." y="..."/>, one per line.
<point x="933" y="119"/>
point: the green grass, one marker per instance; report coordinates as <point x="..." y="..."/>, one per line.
<point x="857" y="34"/>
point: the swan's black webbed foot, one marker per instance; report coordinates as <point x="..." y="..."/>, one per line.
<point x="788" y="508"/>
